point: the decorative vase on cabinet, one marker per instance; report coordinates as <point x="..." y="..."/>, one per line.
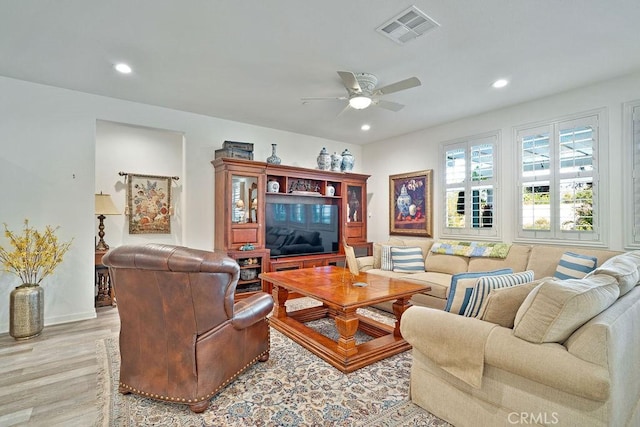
<point x="336" y="162"/>
<point x="324" y="160"/>
<point x="331" y="190"/>
<point x="273" y="158"/>
<point x="347" y="161"/>
<point x="273" y="186"/>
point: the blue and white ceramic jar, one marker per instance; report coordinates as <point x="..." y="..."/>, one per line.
<point x="273" y="158"/>
<point x="336" y="162"/>
<point x="347" y="161"/>
<point x="324" y="160"/>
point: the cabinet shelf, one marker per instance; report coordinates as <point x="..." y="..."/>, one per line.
<point x="252" y="264"/>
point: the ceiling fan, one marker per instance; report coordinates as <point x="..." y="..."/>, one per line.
<point x="362" y="91"/>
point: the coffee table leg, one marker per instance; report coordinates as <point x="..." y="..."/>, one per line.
<point x="399" y="307"/>
<point x="280" y="296"/>
<point x="347" y="325"/>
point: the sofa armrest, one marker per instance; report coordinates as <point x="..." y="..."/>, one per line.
<point x="365" y="263"/>
<point x="550" y="364"/>
<point x="252" y="309"/>
<point x="456" y="343"/>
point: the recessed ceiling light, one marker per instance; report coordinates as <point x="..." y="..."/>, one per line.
<point x="123" y="68"/>
<point x="365" y="127"/>
<point x="500" y="83"/>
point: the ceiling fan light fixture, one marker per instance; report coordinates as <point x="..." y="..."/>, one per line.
<point x="359" y="102"/>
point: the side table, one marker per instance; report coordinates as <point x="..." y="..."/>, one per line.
<point x="105" y="295"/>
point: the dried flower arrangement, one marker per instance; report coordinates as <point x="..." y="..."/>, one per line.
<point x="35" y="254"/>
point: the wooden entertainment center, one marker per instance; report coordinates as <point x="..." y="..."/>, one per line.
<point x="243" y="188"/>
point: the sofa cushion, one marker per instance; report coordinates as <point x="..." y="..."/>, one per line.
<point x="424" y="244"/>
<point x="487" y="284"/>
<point x="516" y="259"/>
<point x="574" y="266"/>
<point x="439" y="282"/>
<point x="625" y="268"/>
<point x="502" y="304"/>
<point x="407" y="259"/>
<point x="450" y="264"/>
<point x="544" y="258"/>
<point x="556" y="308"/>
<point x="462" y="285"/>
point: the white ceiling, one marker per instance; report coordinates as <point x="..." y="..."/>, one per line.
<point x="252" y="60"/>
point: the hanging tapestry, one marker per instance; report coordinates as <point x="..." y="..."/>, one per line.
<point x="149" y="204"/>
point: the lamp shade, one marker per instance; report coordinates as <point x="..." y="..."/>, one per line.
<point x="105" y="206"/>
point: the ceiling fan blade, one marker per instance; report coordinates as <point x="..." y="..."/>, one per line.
<point x="348" y="107"/>
<point x="324" y="98"/>
<point x="388" y="105"/>
<point x="398" y="86"/>
<point x="350" y="81"/>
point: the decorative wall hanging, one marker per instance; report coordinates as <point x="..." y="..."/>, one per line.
<point x="410" y="204"/>
<point x="149" y="203"/>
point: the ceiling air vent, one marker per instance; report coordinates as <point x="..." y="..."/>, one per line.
<point x="407" y="25"/>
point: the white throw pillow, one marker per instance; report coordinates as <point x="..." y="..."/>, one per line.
<point x="625" y="268"/>
<point x="556" y="308"/>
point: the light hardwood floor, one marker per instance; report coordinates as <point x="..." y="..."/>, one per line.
<point x="51" y="380"/>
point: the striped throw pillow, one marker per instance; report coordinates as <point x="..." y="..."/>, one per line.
<point x="462" y="285"/>
<point x="407" y="259"/>
<point x="386" y="263"/>
<point x="575" y="266"/>
<point x="484" y="285"/>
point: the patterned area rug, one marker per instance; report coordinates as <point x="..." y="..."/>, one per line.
<point x="293" y="388"/>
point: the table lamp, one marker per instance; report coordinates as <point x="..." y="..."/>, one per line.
<point x="104" y="206"/>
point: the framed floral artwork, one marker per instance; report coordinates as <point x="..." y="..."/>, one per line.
<point x="149" y="204"/>
<point x="410" y="204"/>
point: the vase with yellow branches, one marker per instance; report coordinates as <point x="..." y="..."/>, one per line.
<point x="35" y="255"/>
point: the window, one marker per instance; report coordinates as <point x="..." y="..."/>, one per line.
<point x="632" y="128"/>
<point x="558" y="180"/>
<point x="470" y="187"/>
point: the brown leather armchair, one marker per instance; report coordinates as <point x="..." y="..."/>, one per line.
<point x="182" y="335"/>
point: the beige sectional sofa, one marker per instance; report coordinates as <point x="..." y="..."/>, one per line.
<point x="439" y="268"/>
<point x="560" y="353"/>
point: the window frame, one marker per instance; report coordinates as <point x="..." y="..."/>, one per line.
<point x="631" y="168"/>
<point x="597" y="237"/>
<point x="468" y="231"/>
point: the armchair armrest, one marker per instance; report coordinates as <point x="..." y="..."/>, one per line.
<point x="250" y="310"/>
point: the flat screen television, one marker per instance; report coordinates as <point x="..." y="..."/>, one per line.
<point x="301" y="226"/>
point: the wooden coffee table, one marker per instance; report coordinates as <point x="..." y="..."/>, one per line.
<point x="333" y="286"/>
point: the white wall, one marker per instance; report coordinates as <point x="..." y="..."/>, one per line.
<point x="48" y="174"/>
<point x="142" y="151"/>
<point x="420" y="150"/>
